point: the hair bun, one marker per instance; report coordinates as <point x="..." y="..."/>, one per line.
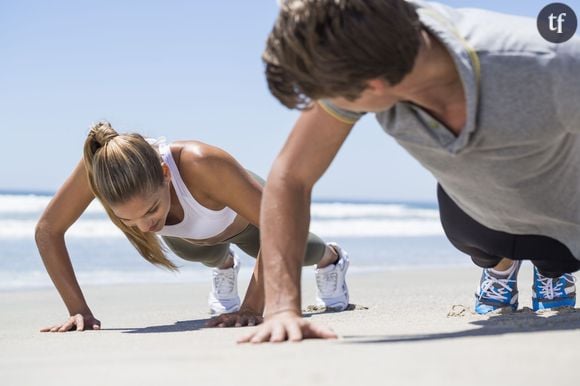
<point x="102" y="132"/>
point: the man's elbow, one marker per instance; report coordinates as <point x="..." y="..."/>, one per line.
<point x="284" y="176"/>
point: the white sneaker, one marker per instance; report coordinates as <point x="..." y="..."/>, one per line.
<point x="223" y="297"/>
<point x="332" y="291"/>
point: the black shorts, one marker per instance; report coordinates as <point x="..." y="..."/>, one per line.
<point x="487" y="246"/>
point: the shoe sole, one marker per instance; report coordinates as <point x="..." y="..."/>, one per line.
<point x="228" y="311"/>
<point x="483" y="309"/>
<point x="541" y="306"/>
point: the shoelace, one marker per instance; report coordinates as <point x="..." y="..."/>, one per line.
<point x="224" y="282"/>
<point x="495" y="288"/>
<point x="547" y="288"/>
<point x="327" y="282"/>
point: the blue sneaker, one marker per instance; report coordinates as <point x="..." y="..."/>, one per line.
<point x="497" y="291"/>
<point x="550" y="292"/>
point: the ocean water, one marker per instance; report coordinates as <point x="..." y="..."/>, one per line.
<point x="378" y="236"/>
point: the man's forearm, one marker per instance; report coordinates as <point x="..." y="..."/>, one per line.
<point x="284" y="227"/>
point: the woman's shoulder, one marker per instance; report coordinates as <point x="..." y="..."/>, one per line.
<point x="201" y="165"/>
<point x="192" y="154"/>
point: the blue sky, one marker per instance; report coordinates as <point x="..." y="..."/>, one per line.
<point x="182" y="69"/>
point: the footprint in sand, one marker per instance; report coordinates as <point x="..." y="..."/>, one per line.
<point x="321" y="309"/>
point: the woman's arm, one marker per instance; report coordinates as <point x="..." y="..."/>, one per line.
<point x="216" y="180"/>
<point x="64" y="209"/>
<point x="214" y="175"/>
<point x="252" y="308"/>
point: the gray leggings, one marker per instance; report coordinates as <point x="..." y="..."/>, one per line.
<point x="248" y="241"/>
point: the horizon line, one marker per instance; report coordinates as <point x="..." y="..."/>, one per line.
<point x="321" y="199"/>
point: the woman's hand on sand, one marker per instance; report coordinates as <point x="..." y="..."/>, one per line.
<point x="76" y="322"/>
<point x="287" y="325"/>
<point x="236" y="319"/>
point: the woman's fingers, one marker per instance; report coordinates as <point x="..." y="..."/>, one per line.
<point x="236" y="319"/>
<point x="79" y="321"/>
<point x="213" y="322"/>
<point x="242" y="320"/>
<point x="96" y="324"/>
<point x="75" y="322"/>
<point x="68" y="324"/>
<point x="51" y="328"/>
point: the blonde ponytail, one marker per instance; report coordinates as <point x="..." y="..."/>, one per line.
<point x="120" y="167"/>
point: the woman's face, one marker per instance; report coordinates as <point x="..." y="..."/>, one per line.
<point x="147" y="212"/>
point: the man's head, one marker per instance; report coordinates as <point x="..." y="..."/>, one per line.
<point x="332" y="48"/>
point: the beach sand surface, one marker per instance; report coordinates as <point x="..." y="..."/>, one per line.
<point x="409" y="327"/>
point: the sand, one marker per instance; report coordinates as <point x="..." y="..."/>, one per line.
<point x="409" y="327"/>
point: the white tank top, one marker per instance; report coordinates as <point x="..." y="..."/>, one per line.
<point x="198" y="222"/>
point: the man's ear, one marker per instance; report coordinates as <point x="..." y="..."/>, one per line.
<point x="377" y="86"/>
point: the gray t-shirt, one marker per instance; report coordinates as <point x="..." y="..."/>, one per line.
<point x="515" y="166"/>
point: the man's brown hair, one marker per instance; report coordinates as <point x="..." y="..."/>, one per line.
<point x="330" y="48"/>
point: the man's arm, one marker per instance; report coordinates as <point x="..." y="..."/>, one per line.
<point x="285" y="217"/>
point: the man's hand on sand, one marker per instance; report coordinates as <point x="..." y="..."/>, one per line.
<point x="287" y="325"/>
<point x="236" y="319"/>
<point x="76" y="322"/>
